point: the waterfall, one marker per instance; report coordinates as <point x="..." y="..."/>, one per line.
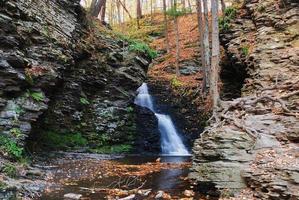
<point x="171" y="143"/>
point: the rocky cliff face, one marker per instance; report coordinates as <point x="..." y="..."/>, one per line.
<point x="60" y="74"/>
<point x="256" y="143"/>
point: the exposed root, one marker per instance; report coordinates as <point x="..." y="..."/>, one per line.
<point x="250" y="131"/>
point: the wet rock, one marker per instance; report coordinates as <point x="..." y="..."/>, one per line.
<point x="159" y="194"/>
<point x="189" y="193"/>
<point x="189" y="69"/>
<point x="149" y="135"/>
<point x="144" y="192"/>
<point x="132" y="196"/>
<point x="72" y="196"/>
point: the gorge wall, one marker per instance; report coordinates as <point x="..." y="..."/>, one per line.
<point x="255" y="144"/>
<point x="61" y="74"/>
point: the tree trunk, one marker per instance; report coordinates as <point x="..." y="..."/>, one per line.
<point x="97" y="7"/>
<point x="151" y="1"/>
<point x="92" y="7"/>
<point x="125" y="8"/>
<point x="139" y="13"/>
<point x="206" y="46"/>
<point x="184" y="4"/>
<point x="201" y="43"/>
<point x="166" y="26"/>
<point x="190" y="6"/>
<point x="118" y="12"/>
<point x="103" y="11"/>
<point x="223" y="7"/>
<point x="215" y="55"/>
<point x="177" y="39"/>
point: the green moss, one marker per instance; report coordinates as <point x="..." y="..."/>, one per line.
<point x="15" y="132"/>
<point x="130" y="109"/>
<point x="245" y="50"/>
<point x="118" y="148"/>
<point x="37" y="96"/>
<point x="56" y="140"/>
<point x="10" y="147"/>
<point x="84" y="101"/>
<point x="3" y="185"/>
<point x="175" y="82"/>
<point x="140" y="47"/>
<point x="9" y="170"/>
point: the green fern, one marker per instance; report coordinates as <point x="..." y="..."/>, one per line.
<point x="84" y="101"/>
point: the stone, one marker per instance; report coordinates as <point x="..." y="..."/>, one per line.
<point x="72" y="196"/>
<point x="189" y="69"/>
<point x="132" y="196"/>
<point x="189" y="193"/>
<point x="159" y="194"/>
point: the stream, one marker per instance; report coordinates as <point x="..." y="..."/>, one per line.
<point x="95" y="176"/>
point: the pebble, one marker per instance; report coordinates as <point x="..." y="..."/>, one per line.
<point x="72" y="196"/>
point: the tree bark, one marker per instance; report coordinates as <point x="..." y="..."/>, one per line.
<point x="166" y="26"/>
<point x="206" y="46"/>
<point x="92" y="6"/>
<point x="118" y="12"/>
<point x="177" y="39"/>
<point x="125" y="8"/>
<point x="215" y="56"/>
<point x="139" y="13"/>
<point x="223" y="7"/>
<point x="103" y="11"/>
<point x="201" y="43"/>
<point x="96" y="7"/>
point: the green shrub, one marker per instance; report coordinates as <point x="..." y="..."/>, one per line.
<point x="62" y="140"/>
<point x="9" y="170"/>
<point x="175" y="12"/>
<point x="119" y="148"/>
<point x="130" y="109"/>
<point x="137" y="46"/>
<point x="3" y="185"/>
<point x="15" y="132"/>
<point x="230" y="13"/>
<point x="37" y="96"/>
<point x="245" y="50"/>
<point x="84" y="101"/>
<point x="141" y="47"/>
<point x="10" y="147"/>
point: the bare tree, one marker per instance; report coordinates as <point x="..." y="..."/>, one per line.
<point x="139" y="13"/>
<point x="125" y="8"/>
<point x="206" y="46"/>
<point x="118" y="12"/>
<point x="166" y="26"/>
<point x="96" y="7"/>
<point x="103" y="11"/>
<point x="215" y="56"/>
<point x="223" y="7"/>
<point x="201" y="43"/>
<point x="177" y="39"/>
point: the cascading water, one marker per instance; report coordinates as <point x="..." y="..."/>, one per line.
<point x="171" y="143"/>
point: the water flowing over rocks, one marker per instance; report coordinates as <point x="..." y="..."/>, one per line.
<point x="256" y="143"/>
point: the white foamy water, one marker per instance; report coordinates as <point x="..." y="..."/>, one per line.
<point x="171" y="143"/>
